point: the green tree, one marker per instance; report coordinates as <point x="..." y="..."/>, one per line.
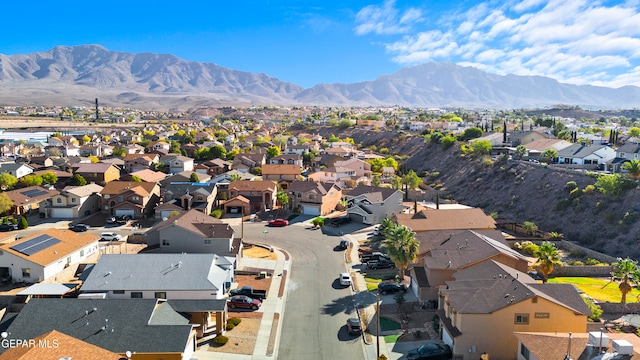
<point x="549" y="154"/>
<point x="217" y="152"/>
<point x="387" y="225"/>
<point x="194" y="177"/>
<point x="86" y="139"/>
<point x="23" y="223"/>
<point x="333" y="138"/>
<point x="94" y="159"/>
<point x="345" y="124"/>
<point x="235" y="177"/>
<point x="7" y="181"/>
<point x="402" y="247"/>
<point x="120" y="152"/>
<point x="634" y="132"/>
<point x="135" y="178"/>
<point x="78" y="180"/>
<point x="521" y="151"/>
<point x="613" y="184"/>
<point x="411" y="180"/>
<point x="273" y="151"/>
<point x="447" y="141"/>
<point x="481" y="147"/>
<point x="376" y="180"/>
<point x="548" y="257"/>
<point x="471" y="133"/>
<point x="6" y="203"/>
<point x="318" y="222"/>
<point x="633" y="168"/>
<point x="49" y="178"/>
<point x="391" y="162"/>
<point x="396" y="182"/>
<point x="625" y="272"/>
<point x="31" y="180"/>
<point x="282" y="198"/>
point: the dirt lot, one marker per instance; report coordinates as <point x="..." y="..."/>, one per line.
<point x="242" y="338"/>
<point x="257" y="252"/>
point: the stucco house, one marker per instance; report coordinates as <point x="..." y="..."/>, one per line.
<point x="194" y="232"/>
<point x="586" y="154"/>
<point x="30" y="199"/>
<point x="43" y="255"/>
<point x="186" y="195"/>
<point x="74" y="202"/>
<point x="261" y="194"/>
<point x="160" y="276"/>
<point x="100" y="173"/>
<point x="283" y="174"/>
<point x="447" y="219"/>
<point x="370" y="204"/>
<point x="177" y="163"/>
<point x="16" y="169"/>
<point x="314" y="198"/>
<point x="136" y="199"/>
<point x="494" y="296"/>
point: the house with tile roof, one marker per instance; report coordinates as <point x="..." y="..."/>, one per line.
<point x="75" y="202"/>
<point x="314" y="198"/>
<point x="447" y="219"/>
<point x="537" y="147"/>
<point x="146" y="175"/>
<point x="214" y="167"/>
<point x="99" y="173"/>
<point x="564" y="345"/>
<point x="139" y="161"/>
<point x="494" y="296"/>
<point x="194" y="232"/>
<point x="136" y="199"/>
<point x="362" y="168"/>
<point x="246" y="162"/>
<point x="57" y="345"/>
<point x="261" y="194"/>
<point x="370" y="204"/>
<point x="45" y="254"/>
<point x="149" y="329"/>
<point x="283" y="174"/>
<point x="30" y="199"/>
<point x="160" y="276"/>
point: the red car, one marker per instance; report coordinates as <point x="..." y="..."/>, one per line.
<point x="278" y="222"/>
<point x="243" y="302"/>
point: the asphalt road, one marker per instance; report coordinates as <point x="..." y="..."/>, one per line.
<point x="317" y="307"/>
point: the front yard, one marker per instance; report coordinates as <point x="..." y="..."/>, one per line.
<point x="599" y="289"/>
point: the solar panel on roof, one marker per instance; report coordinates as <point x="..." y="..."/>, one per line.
<point x="33" y="193"/>
<point x="35" y="245"/>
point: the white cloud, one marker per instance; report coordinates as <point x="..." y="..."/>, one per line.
<point x="578" y="41"/>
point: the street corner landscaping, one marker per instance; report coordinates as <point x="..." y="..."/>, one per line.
<point x="240" y="338"/>
<point x="258" y="252"/>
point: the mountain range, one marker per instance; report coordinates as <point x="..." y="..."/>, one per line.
<point x="76" y="75"/>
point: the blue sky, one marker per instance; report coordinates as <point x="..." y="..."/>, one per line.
<point x="308" y="42"/>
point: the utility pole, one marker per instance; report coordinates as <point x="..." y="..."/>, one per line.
<point x="378" y="326"/>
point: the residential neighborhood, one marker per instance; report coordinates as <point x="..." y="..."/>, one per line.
<point x="213" y="238"/>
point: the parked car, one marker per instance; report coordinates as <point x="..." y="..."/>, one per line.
<point x="345" y="279"/>
<point x="432" y="351"/>
<point x="343" y="245"/>
<point x="244" y="302"/>
<point x="123" y="219"/>
<point x="278" y="222"/>
<point x="80" y="227"/>
<point x="381" y="263"/>
<point x="337" y="222"/>
<point x="354" y="326"/>
<point x="250" y="292"/>
<point x="8" y="227"/>
<point x="377" y="231"/>
<point x="111" y="220"/>
<point x="110" y="236"/>
<point x="376" y="255"/>
<point x="386" y="287"/>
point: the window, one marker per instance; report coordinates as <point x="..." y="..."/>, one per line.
<point x="299" y="195"/>
<point x="160" y="295"/>
<point x="522" y="319"/>
<point x="136" y="295"/>
<point x="26" y="272"/>
<point x="69" y="260"/>
<point x="542" y="315"/>
<point x="165" y="242"/>
<point x="207" y="241"/>
<point x="82" y="252"/>
<point x="534" y="300"/>
<point x="623" y="154"/>
<point x="73" y="200"/>
<point x="118" y="292"/>
<point x="59" y="201"/>
<point x="524" y="351"/>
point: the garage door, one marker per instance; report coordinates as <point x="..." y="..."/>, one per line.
<point x="120" y="212"/>
<point x="310" y="210"/>
<point x="62" y="213"/>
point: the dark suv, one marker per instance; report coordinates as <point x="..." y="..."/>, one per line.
<point x="381" y="263"/>
<point x="387" y="287"/>
<point x="337" y="222"/>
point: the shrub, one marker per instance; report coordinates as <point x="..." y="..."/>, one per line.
<point x="220" y="340"/>
<point x="570" y="185"/>
<point x="596" y="310"/>
<point x="576" y="263"/>
<point x="591" y="262"/>
<point x="589" y="189"/>
<point x="235" y="321"/>
<point x="217" y="213"/>
<point x="447" y="141"/>
<point x="229" y="326"/>
<point x="575" y="193"/>
<point x="23" y="224"/>
<point x="579" y="253"/>
<point x="562" y="204"/>
<point x="529" y="248"/>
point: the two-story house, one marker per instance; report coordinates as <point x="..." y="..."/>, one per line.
<point x="625" y="153"/>
<point x="136" y="199"/>
<point x="137" y="161"/>
<point x="75" y="202"/>
<point x="261" y="195"/>
<point x="361" y="167"/>
<point x="16" y="169"/>
<point x="177" y="163"/>
<point x="283" y="174"/>
<point x="491" y="295"/>
<point x="337" y="174"/>
<point x="99" y="173"/>
<point x="370" y="204"/>
<point x="314" y="198"/>
<point x="247" y="162"/>
<point x="292" y="159"/>
<point x="183" y="196"/>
<point x="214" y="167"/>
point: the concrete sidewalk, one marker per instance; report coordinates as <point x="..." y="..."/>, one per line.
<point x="273" y="304"/>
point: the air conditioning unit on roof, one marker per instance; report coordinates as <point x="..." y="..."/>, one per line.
<point x="599" y="339"/>
<point x="623" y="347"/>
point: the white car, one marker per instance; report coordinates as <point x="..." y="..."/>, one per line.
<point x="345" y="279"/>
<point x="110" y="236"/>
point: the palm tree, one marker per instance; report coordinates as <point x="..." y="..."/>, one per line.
<point x="386" y="225"/>
<point x="521" y="151"/>
<point x="633" y="168"/>
<point x="626" y="272"/>
<point x="549" y="154"/>
<point x="402" y="247"/>
<point x="548" y="257"/>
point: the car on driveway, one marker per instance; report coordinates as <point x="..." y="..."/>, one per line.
<point x="123" y="219"/>
<point x="387" y="287"/>
<point x="431" y="351"/>
<point x="343" y="245"/>
<point x="337" y="222"/>
<point x="111" y="220"/>
<point x="345" y="279"/>
<point x="382" y="263"/>
<point x="354" y="326"/>
<point x="243" y="302"/>
<point x="110" y="236"/>
<point x="278" y="222"/>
